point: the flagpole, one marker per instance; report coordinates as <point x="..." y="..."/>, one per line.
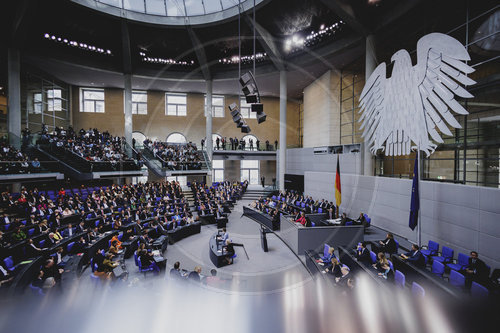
<point x="419" y="222"/>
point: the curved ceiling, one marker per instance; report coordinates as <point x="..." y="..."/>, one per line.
<point x="172" y="12"/>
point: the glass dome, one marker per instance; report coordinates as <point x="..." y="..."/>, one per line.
<point x="171" y="12"/>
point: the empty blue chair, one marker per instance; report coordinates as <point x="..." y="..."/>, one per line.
<point x="478" y="290"/>
<point x="31" y="232"/>
<point x="446" y="255"/>
<point x="399" y="279"/>
<point x="417" y="290"/>
<point x="273" y="197"/>
<point x="462" y="262"/>
<point x="313" y="224"/>
<point x="456" y="279"/>
<point x="89" y="216"/>
<point x="9" y="263"/>
<point x="41" y="244"/>
<point x="136" y="260"/>
<point x="437" y="268"/>
<point x="69" y="248"/>
<point x="348" y="223"/>
<point x="432" y="249"/>
<point x="368" y="220"/>
<point x="373" y="256"/>
<point x="391" y="265"/>
<point x="303" y="205"/>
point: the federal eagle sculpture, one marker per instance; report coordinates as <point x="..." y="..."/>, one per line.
<point x="407" y="110"/>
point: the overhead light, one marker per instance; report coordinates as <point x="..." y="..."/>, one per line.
<point x="322" y="27"/>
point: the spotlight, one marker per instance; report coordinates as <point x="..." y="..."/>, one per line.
<point x="261" y="117"/>
<point x="257" y="107"/>
<point x="245" y="129"/>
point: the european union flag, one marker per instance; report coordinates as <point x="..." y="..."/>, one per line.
<point x="415" y="200"/>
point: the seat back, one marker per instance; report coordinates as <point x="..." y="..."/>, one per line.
<point x="437" y="268"/>
<point x="320" y="210"/>
<point x="326" y="248"/>
<point x="433" y="247"/>
<point x="391" y="265"/>
<point x="373" y="256"/>
<point x="399" y="279"/>
<point x="417" y="290"/>
<point x="463" y="260"/>
<point x="457" y="279"/>
<point x="69" y="248"/>
<point x="447" y="253"/>
<point x="9" y="262"/>
<point x="397" y="244"/>
<point x="478" y="290"/>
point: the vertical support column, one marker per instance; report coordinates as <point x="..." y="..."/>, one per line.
<point x="127" y="105"/>
<point x="208" y="115"/>
<point x="370" y="64"/>
<point x="282" y="142"/>
<point x="14" y="97"/>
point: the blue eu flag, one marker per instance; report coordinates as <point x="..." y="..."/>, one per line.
<point x="415" y="201"/>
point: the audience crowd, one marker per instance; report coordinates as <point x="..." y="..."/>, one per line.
<point x="176" y="156"/>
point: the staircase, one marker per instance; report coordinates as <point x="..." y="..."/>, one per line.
<point x="256" y="194"/>
<point x="188" y="194"/>
<point x="156" y="165"/>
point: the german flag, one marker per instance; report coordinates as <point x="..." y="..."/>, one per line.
<point x="338" y="192"/>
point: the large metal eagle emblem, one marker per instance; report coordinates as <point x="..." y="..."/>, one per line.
<point x="408" y="109"/>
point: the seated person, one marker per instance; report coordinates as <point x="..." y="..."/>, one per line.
<point x="195" y="275"/>
<point x="385" y="271"/>
<point x="334" y="268"/>
<point x="175" y="273"/>
<point x="5" y="276"/>
<point x="147" y="261"/>
<point x="388" y="245"/>
<point x="414" y="256"/>
<point x="328" y="257"/>
<point x="342" y="281"/>
<point x="363" y="254"/>
<point x="32" y="250"/>
<point x="114" y="248"/>
<point x="361" y="219"/>
<point x="302" y="218"/>
<point x="476" y="270"/>
<point x="105" y="269"/>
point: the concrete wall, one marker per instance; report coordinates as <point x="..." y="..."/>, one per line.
<point x="462" y="217"/>
<point x="300" y="160"/>
<point x="322" y="111"/>
<point x="157" y="125"/>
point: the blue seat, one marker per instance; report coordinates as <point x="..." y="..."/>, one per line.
<point x="144" y="269"/>
<point x="41" y="244"/>
<point x="348" y="223"/>
<point x="303" y="205"/>
<point x="326" y="249"/>
<point x="31" y="232"/>
<point x="373" y="256"/>
<point x="69" y="248"/>
<point x="399" y="279"/>
<point x="367" y="219"/>
<point x="456" y="279"/>
<point x="9" y="263"/>
<point x="320" y="210"/>
<point x="437" y="268"/>
<point x="93" y="265"/>
<point x="432" y="249"/>
<point x="397" y="245"/>
<point x="95" y="279"/>
<point x="232" y="258"/>
<point x="446" y="255"/>
<point x="36" y="290"/>
<point x="478" y="290"/>
<point x="417" y="290"/>
<point x="313" y="224"/>
<point x="462" y="262"/>
<point x="391" y="265"/>
<point x="273" y="197"/>
<point x="136" y="259"/>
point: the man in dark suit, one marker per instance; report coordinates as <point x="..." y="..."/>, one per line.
<point x="195" y="275"/>
<point x="363" y="254"/>
<point x="414" y="257"/>
<point x="476" y="270"/>
<point x="388" y="245"/>
<point x="175" y="273"/>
